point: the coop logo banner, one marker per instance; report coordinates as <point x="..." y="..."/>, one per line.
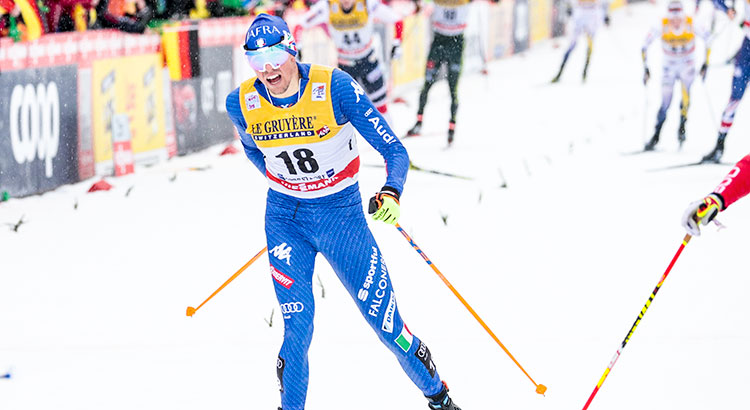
<point x="38" y="129"/>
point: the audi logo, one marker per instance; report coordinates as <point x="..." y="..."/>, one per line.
<point x="292" y="307"/>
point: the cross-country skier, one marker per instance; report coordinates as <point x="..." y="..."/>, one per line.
<point x="351" y="23"/>
<point x="678" y="44"/>
<point x="734" y="186"/>
<point x="448" y="21"/>
<point x="587" y="16"/>
<point x="296" y="123"/>
<point x="739" y="82"/>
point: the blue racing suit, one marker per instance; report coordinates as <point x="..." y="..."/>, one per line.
<point x="311" y="208"/>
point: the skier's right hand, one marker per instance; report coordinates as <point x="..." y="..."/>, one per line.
<point x="701" y="213"/>
<point x="384" y="206"/>
<point x="646" y="75"/>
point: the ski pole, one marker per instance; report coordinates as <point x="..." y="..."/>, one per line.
<point x="540" y="388"/>
<point x="637" y="321"/>
<point x="191" y="310"/>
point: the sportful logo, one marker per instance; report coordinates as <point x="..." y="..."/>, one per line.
<point x="282" y="252"/>
<point x="358" y="91"/>
<point x="364" y="292"/>
<point x="282" y="279"/>
<point x="35" y="124"/>
<point x="389" y="315"/>
<point x="319" y="91"/>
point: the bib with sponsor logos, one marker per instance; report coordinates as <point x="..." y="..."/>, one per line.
<point x="307" y="154"/>
<point x="678" y="43"/>
<point x="352" y="32"/>
<point x="449" y="16"/>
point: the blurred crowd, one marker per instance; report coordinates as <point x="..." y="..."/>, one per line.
<point x="29" y="19"/>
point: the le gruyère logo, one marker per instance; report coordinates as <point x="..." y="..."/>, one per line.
<point x="282" y="128"/>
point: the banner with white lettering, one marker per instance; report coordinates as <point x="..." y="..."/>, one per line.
<point x="200" y="114"/>
<point x="38" y="129"/>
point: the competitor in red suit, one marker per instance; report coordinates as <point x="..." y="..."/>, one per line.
<point x="734" y="186"/>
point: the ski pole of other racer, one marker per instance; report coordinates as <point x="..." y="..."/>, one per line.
<point x="191" y="310"/>
<point x="637" y="321"/>
<point x="540" y="388"/>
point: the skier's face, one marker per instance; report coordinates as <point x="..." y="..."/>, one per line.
<point x="676" y="22"/>
<point x="278" y="80"/>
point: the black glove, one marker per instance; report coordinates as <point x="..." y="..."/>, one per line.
<point x="606" y="20"/>
<point x="646" y="75"/>
<point x="704" y="71"/>
<point x="569" y="11"/>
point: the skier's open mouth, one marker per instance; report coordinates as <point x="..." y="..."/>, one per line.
<point x="274" y="79"/>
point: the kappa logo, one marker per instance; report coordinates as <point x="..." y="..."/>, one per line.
<point x="358" y="91"/>
<point x="319" y="91"/>
<point x="283" y="252"/>
<point x="323" y="131"/>
<point x="282" y="279"/>
<point x="252" y="101"/>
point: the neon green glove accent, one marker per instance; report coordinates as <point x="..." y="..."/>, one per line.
<point x="389" y="211"/>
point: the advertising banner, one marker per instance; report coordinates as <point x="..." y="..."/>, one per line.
<point x="200" y="114"/>
<point x="500" y="30"/>
<point x="123" y="154"/>
<point x="132" y="86"/>
<point x="541" y="20"/>
<point x="521" y="31"/>
<point x="558" y="17"/>
<point x="411" y="65"/>
<point x="38" y="129"/>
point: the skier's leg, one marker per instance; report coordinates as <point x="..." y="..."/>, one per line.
<point x="292" y="260"/>
<point x="667" y="89"/>
<point x="589" y="49"/>
<point x="431" y="70"/>
<point x="577" y="30"/>
<point x="354" y="255"/>
<point x="454" y="73"/>
<point x="686" y="79"/>
<point x="739" y="84"/>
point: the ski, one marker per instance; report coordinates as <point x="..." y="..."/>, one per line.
<point x="689" y="164"/>
<point x="426" y="170"/>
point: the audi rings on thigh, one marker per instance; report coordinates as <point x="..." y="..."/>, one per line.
<point x="291" y="307"/>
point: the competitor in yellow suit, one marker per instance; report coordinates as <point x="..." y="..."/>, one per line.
<point x="677" y="34"/>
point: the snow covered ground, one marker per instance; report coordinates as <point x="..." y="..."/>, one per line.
<point x="558" y="263"/>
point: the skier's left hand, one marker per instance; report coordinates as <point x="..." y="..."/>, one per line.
<point x="704" y="70"/>
<point x="606" y="20"/>
<point x="701" y="213"/>
<point x="384" y="206"/>
<point x="396" y="51"/>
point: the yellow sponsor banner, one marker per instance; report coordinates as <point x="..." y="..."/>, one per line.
<point x="541" y="20"/>
<point x="616" y="4"/>
<point x="410" y="66"/>
<point x="132" y="86"/>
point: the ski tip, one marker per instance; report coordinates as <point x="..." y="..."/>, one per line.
<point x="541" y="389"/>
<point x="190" y="311"/>
<point x="5" y="376"/>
